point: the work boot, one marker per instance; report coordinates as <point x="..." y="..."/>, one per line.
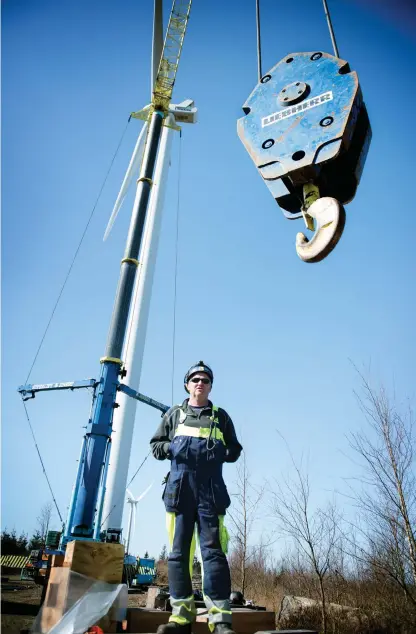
<point x="223" y="628"/>
<point x="175" y="628"/>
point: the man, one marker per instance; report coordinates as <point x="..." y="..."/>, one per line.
<point x="198" y="438"/>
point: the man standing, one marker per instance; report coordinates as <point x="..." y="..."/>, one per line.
<point x="198" y="438"/>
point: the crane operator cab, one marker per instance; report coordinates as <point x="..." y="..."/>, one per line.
<point x="307" y="130"/>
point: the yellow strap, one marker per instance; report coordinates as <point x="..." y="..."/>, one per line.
<point x="111" y="360"/>
<point x="130" y="261"/>
<point x="199" y="432"/>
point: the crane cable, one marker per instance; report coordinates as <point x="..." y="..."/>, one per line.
<point x="127" y="486"/>
<point x="330" y="27"/>
<point x="260" y="75"/>
<point x="77" y="251"/>
<point x="176" y="260"/>
<point x="56" y="305"/>
<point x="42" y="463"/>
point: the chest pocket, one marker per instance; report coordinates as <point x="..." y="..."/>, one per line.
<point x="179" y="447"/>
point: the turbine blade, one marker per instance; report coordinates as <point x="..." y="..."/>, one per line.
<point x="144" y="492"/>
<point x="130" y="494"/>
<point x="134" y="165"/>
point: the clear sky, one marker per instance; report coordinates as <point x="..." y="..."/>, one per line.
<point x="279" y="334"/>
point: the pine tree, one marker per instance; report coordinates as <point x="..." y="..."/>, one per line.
<point x="36" y="541"/>
<point x="11" y="544"/>
<point x="164" y="553"/>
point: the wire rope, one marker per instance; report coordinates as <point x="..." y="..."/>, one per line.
<point x="258" y="40"/>
<point x="127" y="486"/>
<point x="331" y="29"/>
<point x="176" y="262"/>
<point x="42" y="463"/>
<point x="76" y="252"/>
<point x="56" y="306"/>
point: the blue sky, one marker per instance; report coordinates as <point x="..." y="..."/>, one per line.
<point x="279" y="334"/>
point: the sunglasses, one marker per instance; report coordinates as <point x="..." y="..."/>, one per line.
<point x="198" y="379"/>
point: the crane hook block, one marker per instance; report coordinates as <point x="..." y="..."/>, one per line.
<point x="306" y="123"/>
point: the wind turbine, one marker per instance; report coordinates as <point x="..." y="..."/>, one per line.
<point x="132" y="516"/>
<point x="163" y="70"/>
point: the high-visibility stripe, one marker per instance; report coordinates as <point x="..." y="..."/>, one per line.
<point x="199" y="432"/>
<point x="183" y="610"/>
<point x="224" y="535"/>
<point x="181" y="620"/>
<point x="192" y="554"/>
<point x="218" y="615"/>
<point x="170" y="527"/>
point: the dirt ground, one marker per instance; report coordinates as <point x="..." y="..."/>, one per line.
<point x="20" y="603"/>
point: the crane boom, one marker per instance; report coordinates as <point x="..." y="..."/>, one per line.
<point x="171" y="53"/>
<point x="169" y="61"/>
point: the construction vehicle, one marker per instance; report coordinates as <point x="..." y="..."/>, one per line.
<point x="36" y="568"/>
<point x="145" y="574"/>
<point x="139" y="572"/>
<point x="38" y="565"/>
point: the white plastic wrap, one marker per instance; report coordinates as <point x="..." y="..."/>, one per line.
<point x="74" y="602"/>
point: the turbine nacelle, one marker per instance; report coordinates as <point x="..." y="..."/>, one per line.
<point x="184" y="112"/>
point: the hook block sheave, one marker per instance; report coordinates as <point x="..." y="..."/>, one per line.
<point x="306" y="122"/>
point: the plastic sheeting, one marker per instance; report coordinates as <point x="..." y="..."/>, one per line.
<point x="74" y="602"/>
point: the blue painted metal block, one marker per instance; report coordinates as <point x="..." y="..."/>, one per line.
<point x="306" y="121"/>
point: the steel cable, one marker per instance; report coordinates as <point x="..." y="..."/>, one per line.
<point x="76" y="252"/>
<point x="176" y="262"/>
<point x="42" y="463"/>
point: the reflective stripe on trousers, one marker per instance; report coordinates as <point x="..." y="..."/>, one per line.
<point x="216" y="586"/>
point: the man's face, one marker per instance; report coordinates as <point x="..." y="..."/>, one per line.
<point x="199" y="385"/>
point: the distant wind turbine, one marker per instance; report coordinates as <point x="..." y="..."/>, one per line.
<point x="133" y="509"/>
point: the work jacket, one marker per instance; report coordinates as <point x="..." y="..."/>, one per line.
<point x="197" y="444"/>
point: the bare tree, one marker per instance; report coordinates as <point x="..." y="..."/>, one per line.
<point x="44" y="519"/>
<point x="387" y="499"/>
<point x="313" y="533"/>
<point x="244" y="513"/>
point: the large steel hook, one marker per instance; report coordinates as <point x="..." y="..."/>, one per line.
<point x="326" y="217"/>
